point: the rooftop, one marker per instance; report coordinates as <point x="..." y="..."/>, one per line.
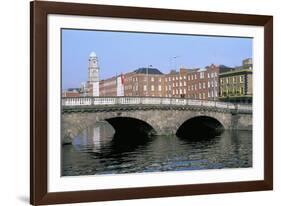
<point x="93" y="54"/>
<point x="236" y="72"/>
<point x="144" y="70"/>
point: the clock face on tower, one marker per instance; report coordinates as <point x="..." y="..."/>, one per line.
<point x="93" y="63"/>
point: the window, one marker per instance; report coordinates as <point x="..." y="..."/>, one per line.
<point x="241" y="79"/>
<point x="184" y="77"/>
<point x="152" y="87"/>
<point x="195" y="87"/>
<point x="166" y="88"/>
<point x="188" y="77"/>
<point x="169" y="79"/>
<point x="184" y="83"/>
<point x="184" y="91"/>
<point x="201" y="75"/>
<point x="176" y="78"/>
<point x="208" y="84"/>
<point x="152" y="79"/>
<point x="170" y="88"/>
<point x="195" y="76"/>
<point x="204" y="85"/>
<point x="203" y="95"/>
<point x="159" y="88"/>
<point x="180" y="84"/>
<point x="208" y="75"/>
<point x="173" y="78"/>
<point x="166" y="79"/>
<point x="188" y="88"/>
<point x="144" y="88"/>
<point x="191" y="77"/>
<point x="180" y="78"/>
<point x="159" y="79"/>
<point x="192" y="87"/>
<point x="199" y="85"/>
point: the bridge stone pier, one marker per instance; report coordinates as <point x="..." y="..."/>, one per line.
<point x="159" y="116"/>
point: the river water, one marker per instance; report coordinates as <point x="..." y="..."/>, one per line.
<point x="95" y="151"/>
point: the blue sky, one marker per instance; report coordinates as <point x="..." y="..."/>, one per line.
<point x="126" y="51"/>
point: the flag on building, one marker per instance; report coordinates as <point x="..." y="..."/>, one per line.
<point x="122" y="79"/>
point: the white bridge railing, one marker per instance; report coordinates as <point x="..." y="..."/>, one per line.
<point x="88" y="101"/>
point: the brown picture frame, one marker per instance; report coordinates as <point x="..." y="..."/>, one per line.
<point x="38" y="102"/>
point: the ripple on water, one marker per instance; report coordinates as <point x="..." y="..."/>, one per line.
<point x="162" y="153"/>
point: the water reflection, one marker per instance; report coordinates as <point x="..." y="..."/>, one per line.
<point x="95" y="151"/>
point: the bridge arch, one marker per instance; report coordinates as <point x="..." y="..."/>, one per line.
<point x="126" y="127"/>
<point x="200" y="126"/>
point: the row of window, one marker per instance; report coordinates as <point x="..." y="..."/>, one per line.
<point x="175" y="84"/>
<point x="202" y="85"/>
<point x="181" y="77"/>
<point x="175" y="78"/>
<point x="193" y="96"/>
<point x="152" y="79"/>
<point x="232" y="92"/>
<point x="202" y="75"/>
<point x="152" y="88"/>
<point x="192" y="87"/>
<point x="234" y="79"/>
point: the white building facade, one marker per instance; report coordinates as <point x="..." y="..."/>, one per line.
<point x="93" y="75"/>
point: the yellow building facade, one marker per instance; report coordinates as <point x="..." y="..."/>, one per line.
<point x="236" y="86"/>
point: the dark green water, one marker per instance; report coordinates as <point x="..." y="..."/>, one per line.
<point x="94" y="151"/>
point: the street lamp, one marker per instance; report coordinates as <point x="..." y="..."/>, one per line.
<point x="147" y="79"/>
<point x="175" y="58"/>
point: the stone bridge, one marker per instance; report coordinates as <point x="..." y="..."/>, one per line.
<point x="158" y="116"/>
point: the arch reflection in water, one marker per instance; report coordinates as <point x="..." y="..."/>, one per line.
<point x="95" y="151"/>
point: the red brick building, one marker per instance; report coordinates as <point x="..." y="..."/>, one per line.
<point x="185" y="83"/>
<point x="144" y="82"/>
<point x="107" y="87"/>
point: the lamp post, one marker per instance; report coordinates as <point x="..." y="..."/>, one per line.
<point x="175" y="58"/>
<point x="147" y="85"/>
<point x="177" y="87"/>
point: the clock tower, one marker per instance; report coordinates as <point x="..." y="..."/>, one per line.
<point x="93" y="75"/>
